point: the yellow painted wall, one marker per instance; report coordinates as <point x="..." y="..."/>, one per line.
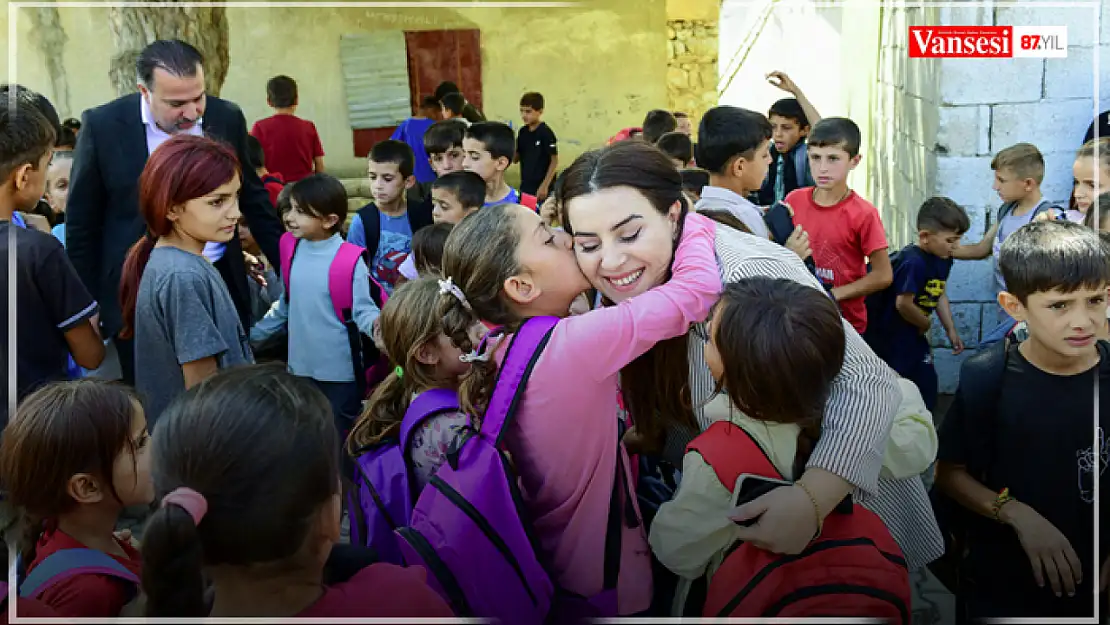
<point x="708" y="10"/>
<point x="601" y="65"/>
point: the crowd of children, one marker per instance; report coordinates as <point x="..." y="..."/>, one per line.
<point x="679" y="378"/>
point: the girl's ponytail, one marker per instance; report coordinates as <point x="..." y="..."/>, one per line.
<point x="132" y="275"/>
<point x="477" y="385"/>
<point x="172" y="560"/>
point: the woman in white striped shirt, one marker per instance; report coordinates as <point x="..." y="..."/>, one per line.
<point x="622" y="249"/>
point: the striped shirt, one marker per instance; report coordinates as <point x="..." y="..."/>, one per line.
<point x="858" y="416"/>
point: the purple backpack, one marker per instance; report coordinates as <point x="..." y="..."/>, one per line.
<point x="470" y="530"/>
<point x="383" y="498"/>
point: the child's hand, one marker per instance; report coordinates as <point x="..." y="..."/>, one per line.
<point x="125" y="536"/>
<point x="1048" y="549"/>
<point x="957" y="342"/>
<point x="256" y="269"/>
<point x="799" y="243"/>
<point x="782" y="81"/>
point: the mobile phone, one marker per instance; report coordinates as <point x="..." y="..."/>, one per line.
<point x="750" y="487"/>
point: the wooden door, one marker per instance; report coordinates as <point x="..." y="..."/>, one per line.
<point x="434" y="56"/>
<point x="439" y="55"/>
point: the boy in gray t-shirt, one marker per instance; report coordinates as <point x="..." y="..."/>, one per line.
<point x="183" y="314"/>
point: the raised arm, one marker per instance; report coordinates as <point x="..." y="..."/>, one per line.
<point x="606" y="339"/>
<point x="85" y="207"/>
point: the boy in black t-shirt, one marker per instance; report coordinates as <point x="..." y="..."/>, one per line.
<point x="1017" y="447"/>
<point x="54" y="312"/>
<point x="899" y="317"/>
<point x="536" y="148"/>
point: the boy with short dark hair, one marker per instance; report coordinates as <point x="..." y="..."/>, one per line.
<point x="454" y="195"/>
<point x="55" y="313"/>
<point x="412" y="130"/>
<point x="453" y="105"/>
<point x="899" y="317"/>
<point x="489" y="148"/>
<point x="733" y="147"/>
<point x="443" y="142"/>
<point x="658" y="123"/>
<point x="536" y="148"/>
<point x="845" y="232"/>
<point x="1016" y="446"/>
<point x="272" y="181"/>
<point x="1018" y="173"/>
<point x="291" y="144"/>
<point x="678" y="147"/>
<point x="791" y="120"/>
<point x="385" y="226"/>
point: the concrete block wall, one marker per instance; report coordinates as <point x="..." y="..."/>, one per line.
<point x="941" y="121"/>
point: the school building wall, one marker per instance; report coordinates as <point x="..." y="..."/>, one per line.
<point x="601" y="65"/>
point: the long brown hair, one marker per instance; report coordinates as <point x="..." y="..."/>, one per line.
<point x="480" y="255"/>
<point x="408" y="321"/>
<point x="656" y="386"/>
<point x="781" y="344"/>
<point x="183" y="168"/>
<point x="59" y="431"/>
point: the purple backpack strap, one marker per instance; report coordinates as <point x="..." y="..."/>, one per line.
<point x="427" y="404"/>
<point x="67" y="563"/>
<point x="341" y="276"/>
<point x="529" y="340"/>
<point x="287" y="246"/>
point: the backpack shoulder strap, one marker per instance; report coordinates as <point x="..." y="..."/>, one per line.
<point x="341" y="275"/>
<point x="529" y="200"/>
<point x="68" y="563"/>
<point x="801" y="166"/>
<point x="427" y="404"/>
<point x="287" y="247"/>
<point x="524" y="350"/>
<point x="984" y="374"/>
<point x="731" y="452"/>
<point x="371" y="227"/>
<point x="1005" y="210"/>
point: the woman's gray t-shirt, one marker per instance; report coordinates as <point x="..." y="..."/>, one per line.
<point x="183" y="314"/>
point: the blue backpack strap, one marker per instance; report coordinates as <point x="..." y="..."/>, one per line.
<point x="427" y="404"/>
<point x="526" y="346"/>
<point x="67" y="563"/>
<point x="801" y="166"/>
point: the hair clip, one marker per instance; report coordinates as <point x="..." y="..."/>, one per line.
<point x="447" y="287"/>
<point x="399" y="371"/>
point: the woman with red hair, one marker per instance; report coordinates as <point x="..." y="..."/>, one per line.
<point x="175" y="303"/>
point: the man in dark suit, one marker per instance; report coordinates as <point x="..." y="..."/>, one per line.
<point x="103" y="219"/>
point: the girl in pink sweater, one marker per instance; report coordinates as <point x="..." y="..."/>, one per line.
<point x="509" y="266"/>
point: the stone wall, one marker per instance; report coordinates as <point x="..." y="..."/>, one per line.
<point x="943" y="121"/>
<point x="692" y="66"/>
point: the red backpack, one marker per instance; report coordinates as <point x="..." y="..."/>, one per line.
<point x="853" y="569"/>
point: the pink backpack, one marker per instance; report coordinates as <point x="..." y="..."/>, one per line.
<point x="370" y="365"/>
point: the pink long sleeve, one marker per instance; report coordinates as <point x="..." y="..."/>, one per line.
<point x="607" y="339"/>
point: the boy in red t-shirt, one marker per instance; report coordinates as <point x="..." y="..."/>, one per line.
<point x="844" y="229"/>
<point x="291" y="144"/>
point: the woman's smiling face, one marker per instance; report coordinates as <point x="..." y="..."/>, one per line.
<point x="623" y="244"/>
